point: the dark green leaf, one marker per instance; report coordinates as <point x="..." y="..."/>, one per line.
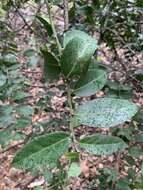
<point x="51" y="67"/>
<point x="6" y="116"/>
<point x="22" y="123"/>
<point x="92" y="82"/>
<point x="118" y="86"/>
<point x="42" y="152"/>
<point x="136" y="151"/>
<point x="139" y="138"/>
<point x="3" y="79"/>
<point x="19" y="95"/>
<point x="9" y="135"/>
<point x="139" y="74"/>
<point x="122" y="184"/>
<point x="29" y="52"/>
<point x="46" y="24"/>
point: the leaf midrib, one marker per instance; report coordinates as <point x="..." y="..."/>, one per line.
<point x="41" y="150"/>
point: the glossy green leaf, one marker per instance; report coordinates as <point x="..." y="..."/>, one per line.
<point x="102" y="144"/>
<point x="51" y="67"/>
<point x="105" y="112"/>
<point x="46" y="24"/>
<point x="43" y="151"/>
<point x="92" y="82"/>
<point x="77" y="52"/>
<point x="72" y="34"/>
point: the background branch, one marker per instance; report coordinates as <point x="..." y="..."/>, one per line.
<point x="66" y="16"/>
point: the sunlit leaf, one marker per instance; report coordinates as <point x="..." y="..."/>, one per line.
<point x="102" y="144"/>
<point x="105" y="112"/>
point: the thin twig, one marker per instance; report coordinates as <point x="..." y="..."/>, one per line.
<point x="53" y="26"/>
<point x="22" y="17"/>
<point x="66" y="16"/>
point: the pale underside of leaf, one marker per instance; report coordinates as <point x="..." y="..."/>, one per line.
<point x="102" y="144"/>
<point x="105" y="112"/>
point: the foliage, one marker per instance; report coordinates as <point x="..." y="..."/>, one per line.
<point x="72" y="58"/>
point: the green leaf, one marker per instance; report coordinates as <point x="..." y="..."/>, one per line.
<point x="142" y="168"/>
<point x="9" y="58"/>
<point x="72" y="156"/>
<point x="135" y="151"/>
<point x="25" y="110"/>
<point x="3" y="79"/>
<point x="33" y="61"/>
<point x="78" y="50"/>
<point x="6" y="117"/>
<point x="22" y="123"/>
<point x="55" y="2"/>
<point x="139" y="138"/>
<point x="72" y="34"/>
<point x="105" y="112"/>
<point x="92" y="82"/>
<point x="29" y="52"/>
<point x="139" y="74"/>
<point x="74" y="170"/>
<point x="126" y="132"/>
<point x="42" y="152"/>
<point x="8" y="136"/>
<point x="122" y="184"/>
<point x="111" y="173"/>
<point x="102" y="144"/>
<point x="118" y="86"/>
<point x="46" y="24"/>
<point x="51" y="67"/>
<point x="19" y="95"/>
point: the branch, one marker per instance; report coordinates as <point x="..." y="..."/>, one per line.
<point x="53" y="26"/>
<point x="66" y="16"/>
<point x="22" y="17"/>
